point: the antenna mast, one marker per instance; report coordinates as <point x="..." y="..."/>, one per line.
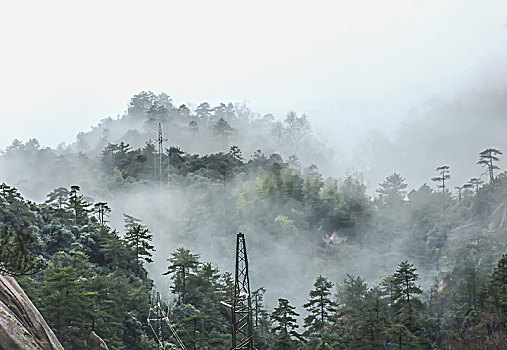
<point x="242" y="328"/>
<point x="160" y="151"/>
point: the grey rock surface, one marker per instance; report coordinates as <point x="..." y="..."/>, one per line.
<point x="22" y="327"/>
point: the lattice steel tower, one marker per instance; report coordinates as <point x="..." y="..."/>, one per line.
<point x="160" y="141"/>
<point x="242" y="328"/>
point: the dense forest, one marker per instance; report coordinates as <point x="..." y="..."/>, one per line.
<point x="334" y="265"/>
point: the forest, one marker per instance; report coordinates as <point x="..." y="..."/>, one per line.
<point x="117" y="216"/>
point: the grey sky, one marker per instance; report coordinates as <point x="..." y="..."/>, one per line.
<point x="350" y="65"/>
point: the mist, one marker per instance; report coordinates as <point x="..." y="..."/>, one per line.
<point x="289" y="122"/>
<point x="196" y="212"/>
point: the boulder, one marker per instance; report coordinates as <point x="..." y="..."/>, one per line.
<point x="22" y="327"/>
<point x="96" y="343"/>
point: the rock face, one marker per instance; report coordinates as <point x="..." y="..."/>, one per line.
<point x="498" y="220"/>
<point x="96" y="343"/>
<point x="22" y="327"/>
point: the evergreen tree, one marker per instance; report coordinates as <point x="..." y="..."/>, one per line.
<point x="224" y="166"/>
<point x="487" y="159"/>
<point x="101" y="209"/>
<point x="15" y="258"/>
<point x="441" y="179"/>
<point x="392" y="190"/>
<point x="193" y="126"/>
<point x="129" y="222"/>
<point x="183" y="263"/>
<point x="475" y="183"/>
<point x="406" y="291"/>
<point x="63" y="305"/>
<point x="222" y="129"/>
<point x="261" y="320"/>
<point x="107" y="156"/>
<point x="461" y="189"/>
<point x="78" y="205"/>
<point x="351" y="303"/>
<point x="184" y="111"/>
<point x="235" y="153"/>
<point x="156" y="114"/>
<point x="258" y="305"/>
<point x="373" y="323"/>
<point x="296" y="127"/>
<point x="219" y="112"/>
<point x="405" y="304"/>
<point x="496" y="297"/>
<point x="58" y="198"/>
<point x="320" y="308"/>
<point x="286" y="324"/>
<point x="138" y="238"/>
<point x="203" y="113"/>
<point x="140" y="104"/>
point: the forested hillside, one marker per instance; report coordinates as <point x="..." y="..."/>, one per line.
<point x="332" y="267"/>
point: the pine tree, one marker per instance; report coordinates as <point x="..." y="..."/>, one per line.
<point x="496" y="299"/>
<point x="183" y="262"/>
<point x="444" y="176"/>
<point x="129" y="222"/>
<point x="460" y="190"/>
<point x="373" y="322"/>
<point x="58" y="198"/>
<point x="101" y="209"/>
<point x="15" y="258"/>
<point x="78" y="205"/>
<point x="156" y="114"/>
<point x="63" y="304"/>
<point x="406" y="322"/>
<point x="320" y="308"/>
<point x="475" y="183"/>
<point x="222" y="129"/>
<point x="203" y="113"/>
<point x="351" y="299"/>
<point x="261" y="320"/>
<point x="486" y="159"/>
<point x="193" y="126"/>
<point x="286" y="324"/>
<point x="406" y="291"/>
<point x="138" y="238"/>
<point x="392" y="189"/>
<point x="258" y="305"/>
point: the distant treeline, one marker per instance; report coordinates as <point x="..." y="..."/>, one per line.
<point x="433" y="256"/>
<point x="85" y="276"/>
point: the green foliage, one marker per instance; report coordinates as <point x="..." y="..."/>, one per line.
<point x="496" y="295"/>
<point x="101" y="275"/>
<point x="15" y="259"/>
<point x="320" y="308"/>
<point x="58" y="198"/>
<point x="392" y="190"/>
<point x="78" y="205"/>
<point x="63" y="304"/>
<point x="182" y="264"/>
<point x="92" y="281"/>
<point x="285" y="327"/>
<point x="138" y="239"/>
<point x="487" y="159"/>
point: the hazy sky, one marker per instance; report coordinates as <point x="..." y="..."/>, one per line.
<point x="350" y="65"/>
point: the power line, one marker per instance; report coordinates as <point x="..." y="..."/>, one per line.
<point x="156" y="319"/>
